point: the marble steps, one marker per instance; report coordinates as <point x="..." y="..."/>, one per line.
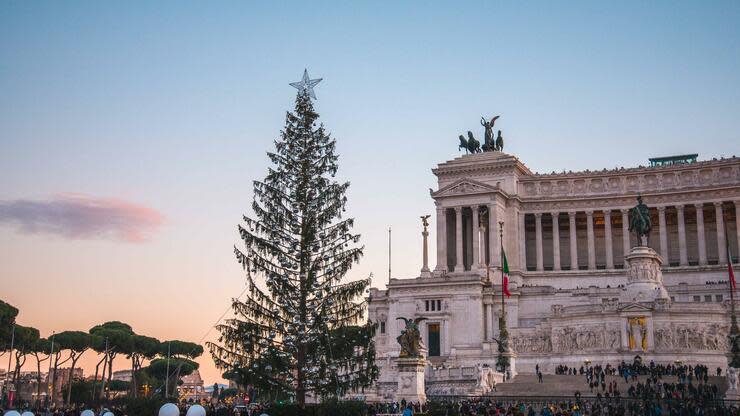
<point x="567" y="385"/>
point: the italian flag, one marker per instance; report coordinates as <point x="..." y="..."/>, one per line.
<point x="505" y="275"/>
<point x="729" y="266"/>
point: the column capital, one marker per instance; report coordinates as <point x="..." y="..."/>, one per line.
<point x="679" y="207"/>
<point x="589" y="213"/>
<point x="607" y="213"/>
<point x="571" y="213"/>
<point x="736" y="202"/>
<point x="458" y="209"/>
<point x="538" y="215"/>
<point x="718" y="204"/>
<point x="661" y="208"/>
<point x="699" y="205"/>
<point x="555" y="214"/>
<point x="624" y="211"/>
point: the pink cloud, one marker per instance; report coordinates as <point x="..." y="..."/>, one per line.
<point x="82" y="217"/>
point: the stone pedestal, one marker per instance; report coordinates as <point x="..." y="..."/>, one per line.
<point x="645" y="279"/>
<point x="411" y="380"/>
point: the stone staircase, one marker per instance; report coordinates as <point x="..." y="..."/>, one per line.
<point x="567" y="385"/>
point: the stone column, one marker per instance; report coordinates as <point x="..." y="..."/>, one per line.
<point x="555" y="241"/>
<point x="425" y="254"/>
<point x="522" y="242"/>
<point x="441" y="240"/>
<point x="591" y="242"/>
<point x="573" y="241"/>
<point x="493" y="244"/>
<point x="700" y="238"/>
<point x="476" y="238"/>
<point x="626" y="232"/>
<point x="538" y="241"/>
<point x="459" y="263"/>
<point x="683" y="254"/>
<point x="663" y="235"/>
<point x="721" y="244"/>
<point x="608" y="239"/>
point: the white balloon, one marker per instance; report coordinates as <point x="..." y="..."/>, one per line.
<point x="87" y="412"/>
<point x="169" y="409"/>
<point x="27" y="414"/>
<point x="12" y="413"/>
<point x="196" y="410"/>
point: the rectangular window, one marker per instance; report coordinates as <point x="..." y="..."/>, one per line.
<point x="719" y="298"/>
<point x="707" y="298"/>
<point x="426" y="303"/>
<point x="433" y="337"/>
<point x="673" y="298"/>
<point x="382" y="327"/>
<point x="697" y="298"/>
<point x="439" y="305"/>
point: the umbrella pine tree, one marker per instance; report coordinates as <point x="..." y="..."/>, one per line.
<point x="300" y="328"/>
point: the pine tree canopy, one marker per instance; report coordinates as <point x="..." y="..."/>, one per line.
<point x="300" y="327"/>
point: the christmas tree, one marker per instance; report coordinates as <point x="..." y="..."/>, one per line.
<point x="299" y="329"/>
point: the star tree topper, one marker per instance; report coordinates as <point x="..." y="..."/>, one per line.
<point x="306" y="84"/>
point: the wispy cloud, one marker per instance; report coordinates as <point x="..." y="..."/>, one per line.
<point x="84" y="217"/>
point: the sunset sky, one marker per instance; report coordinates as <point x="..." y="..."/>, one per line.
<point x="130" y="132"/>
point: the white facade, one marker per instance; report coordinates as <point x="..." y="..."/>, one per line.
<point x="565" y="238"/>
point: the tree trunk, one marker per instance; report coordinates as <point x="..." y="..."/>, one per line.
<point x="133" y="376"/>
<point x="70" y="380"/>
<point x="102" y="377"/>
<point x="110" y="377"/>
<point x="95" y="379"/>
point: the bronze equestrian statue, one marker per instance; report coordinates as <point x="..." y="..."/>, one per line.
<point x="640" y="222"/>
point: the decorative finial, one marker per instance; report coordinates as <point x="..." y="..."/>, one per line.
<point x="306" y="84"/>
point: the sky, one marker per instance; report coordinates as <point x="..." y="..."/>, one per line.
<point x="131" y="131"/>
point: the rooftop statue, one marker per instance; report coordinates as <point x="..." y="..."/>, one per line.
<point x="499" y="142"/>
<point x="410" y="338"/>
<point x="640" y="222"/>
<point x="488" y="144"/>
<point x="471" y="145"/>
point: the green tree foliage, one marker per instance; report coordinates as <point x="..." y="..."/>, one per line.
<point x="7" y="319"/>
<point x="299" y="245"/>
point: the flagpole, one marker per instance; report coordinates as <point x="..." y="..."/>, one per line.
<point x="503" y="341"/>
<point x="734" y="335"/>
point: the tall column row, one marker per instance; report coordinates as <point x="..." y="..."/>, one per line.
<point x="482" y="239"/>
<point x="608" y="247"/>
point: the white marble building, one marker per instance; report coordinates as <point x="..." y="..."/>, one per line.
<point x="565" y="237"/>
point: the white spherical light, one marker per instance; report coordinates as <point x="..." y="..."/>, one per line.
<point x="87" y="412"/>
<point x="196" y="410"/>
<point x="108" y="414"/>
<point x="169" y="409"/>
<point x="12" y="413"/>
<point x="27" y="413"/>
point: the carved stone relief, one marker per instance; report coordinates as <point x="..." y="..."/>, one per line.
<point x="691" y="337"/>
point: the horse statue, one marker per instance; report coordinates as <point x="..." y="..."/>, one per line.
<point x="640" y="221"/>
<point x="410" y="338"/>
<point x="471" y="145"/>
<point x="488" y="143"/>
<point x="499" y="142"/>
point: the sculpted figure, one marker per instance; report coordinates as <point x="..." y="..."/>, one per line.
<point x="488" y="144"/>
<point x="640" y="221"/>
<point x="732" y="378"/>
<point x="410" y="338"/>
<point x="499" y="142"/>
